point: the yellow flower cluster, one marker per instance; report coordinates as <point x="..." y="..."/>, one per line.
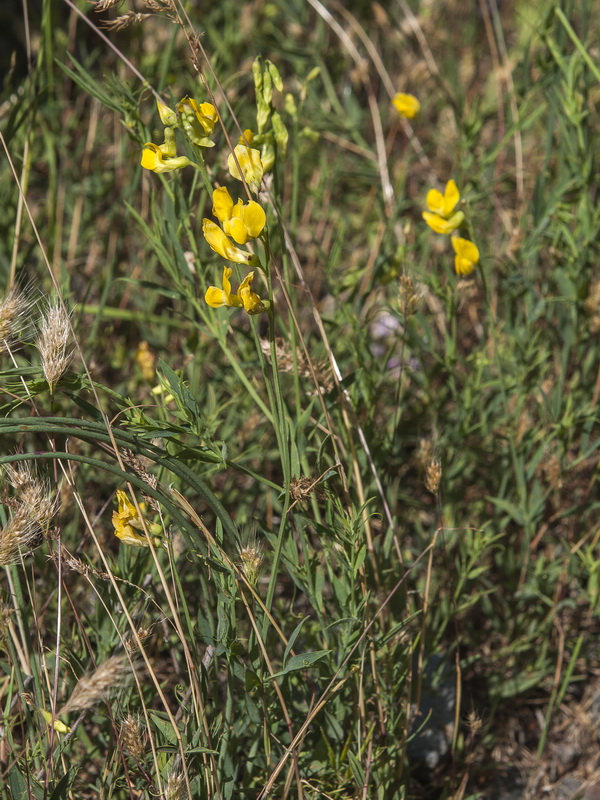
<point x="241" y="222"/>
<point x="197" y="120"/>
<point x="442" y="217"/>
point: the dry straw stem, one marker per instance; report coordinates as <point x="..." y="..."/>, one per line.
<point x="53" y="342"/>
<point x="99" y="685"/>
<point x="14" y="317"/>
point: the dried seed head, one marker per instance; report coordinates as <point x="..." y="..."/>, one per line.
<point x="425" y="453"/>
<point x="36" y="498"/>
<point x="433" y="476"/>
<point x="136" y="463"/>
<point x="19" y="537"/>
<point x="287" y="361"/>
<point x="133" y="737"/>
<point x="302" y="487"/>
<point x="5" y="615"/>
<point x="474" y="723"/>
<point x="98" y="686"/>
<point x="14" y="316"/>
<point x="124" y="21"/>
<point x="53" y="342"/>
<point x="592" y="306"/>
<point x="251" y="560"/>
<point x="409" y="295"/>
<point x="175" y="788"/>
<point x="105" y="5"/>
<point x="553" y="472"/>
<point x="131" y="643"/>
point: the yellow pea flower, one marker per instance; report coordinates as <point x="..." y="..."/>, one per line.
<point x="250" y="164"/>
<point x="154" y="158"/>
<point x="467" y="255"/>
<point x="223" y="245"/>
<point x="265" y="142"/>
<point x="443" y="204"/>
<point x="441" y="216"/>
<point x="245" y="298"/>
<point x="127" y="518"/>
<point x="198" y="120"/>
<point x="441" y="225"/>
<point x="241" y="221"/>
<point x="406" y="105"/>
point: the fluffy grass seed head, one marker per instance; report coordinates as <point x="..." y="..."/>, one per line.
<point x="14" y="316"/>
<point x="20" y="536"/>
<point x="175" y="789"/>
<point x="53" y="342"/>
<point x="251" y="559"/>
<point x="433" y="476"/>
<point x="32" y="513"/>
<point x="133" y="737"/>
<point x="99" y="685"/>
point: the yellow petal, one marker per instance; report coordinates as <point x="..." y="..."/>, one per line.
<point x="451" y="198"/>
<point x="219" y="242"/>
<point x="467" y="255"/>
<point x="249" y="163"/>
<point x="250" y="300"/>
<point x="215" y="297"/>
<point x="151" y="156"/>
<point x="222" y="204"/>
<point x="237" y="230"/>
<point x="406" y="105"/>
<point x="254" y="218"/>
<point x="441" y="225"/>
<point x="128" y="536"/>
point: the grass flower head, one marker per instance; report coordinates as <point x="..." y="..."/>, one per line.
<point x="53" y="342"/>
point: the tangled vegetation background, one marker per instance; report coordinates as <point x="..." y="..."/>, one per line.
<point x="299" y="387"/>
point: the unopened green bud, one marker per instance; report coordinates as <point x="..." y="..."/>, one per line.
<point x="281" y="134"/>
<point x="275" y="76"/>
<point x="290" y="105"/>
